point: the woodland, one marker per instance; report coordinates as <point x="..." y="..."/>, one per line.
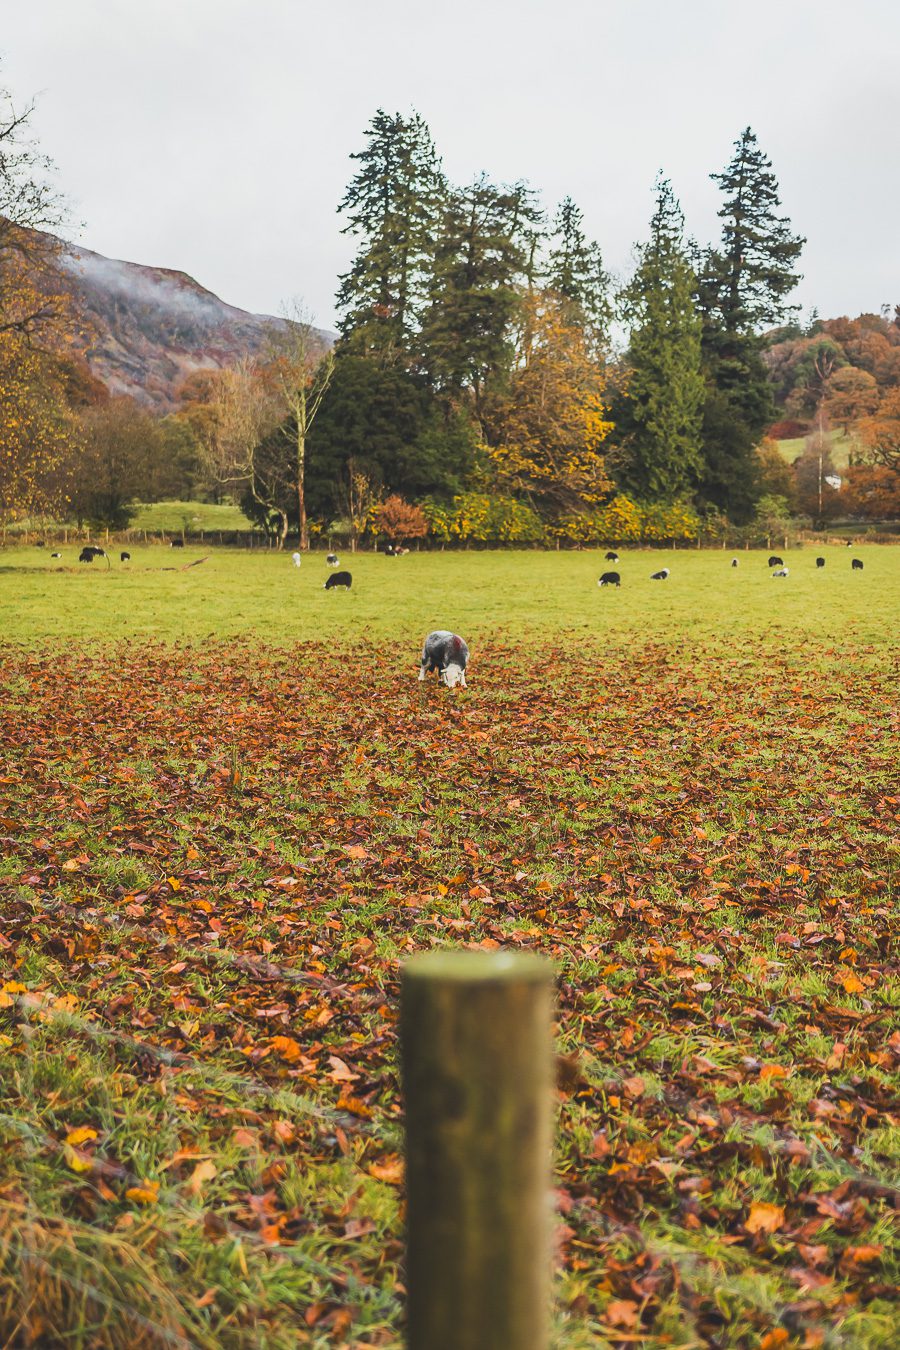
<point x="490" y="380"/>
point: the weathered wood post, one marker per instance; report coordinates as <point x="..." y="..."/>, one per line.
<point x="476" y="1033"/>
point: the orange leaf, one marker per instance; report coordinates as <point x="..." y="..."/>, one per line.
<point x="764" y="1218"/>
<point x="145" y="1194"/>
<point x="204" y="1171"/>
<point x="287" y="1048"/>
<point x="390" y="1169"/>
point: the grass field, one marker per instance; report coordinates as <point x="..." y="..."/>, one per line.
<point x="840" y="444"/>
<point x="228" y="813"/>
<point x="261" y="598"/>
<point x="192" y="517"/>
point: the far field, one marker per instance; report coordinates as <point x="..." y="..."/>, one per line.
<point x="228" y="813"/>
<point x="840" y="444"/>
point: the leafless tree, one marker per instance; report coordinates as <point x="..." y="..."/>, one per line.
<point x="301" y="367"/>
<point x="29" y="205"/>
<point x="244" y="410"/>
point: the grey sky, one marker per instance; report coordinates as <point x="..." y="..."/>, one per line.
<point x="213" y="135"/>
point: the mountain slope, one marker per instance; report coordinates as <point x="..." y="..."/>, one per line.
<point x="148" y="328"/>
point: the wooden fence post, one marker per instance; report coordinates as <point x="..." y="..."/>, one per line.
<point x="476" y="1035"/>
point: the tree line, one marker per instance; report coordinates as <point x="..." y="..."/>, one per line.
<point x="490" y="379"/>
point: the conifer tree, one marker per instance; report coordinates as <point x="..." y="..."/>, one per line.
<point x="392" y="205"/>
<point x="575" y="271"/>
<point x="743" y="286"/>
<point x="749" y="277"/>
<point x="484" y="253"/>
<point x="660" y="416"/>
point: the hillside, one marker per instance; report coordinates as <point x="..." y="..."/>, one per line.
<point x="149" y="327"/>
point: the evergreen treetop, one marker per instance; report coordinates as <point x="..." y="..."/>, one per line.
<point x="392" y="205"/>
<point x="747" y="280"/>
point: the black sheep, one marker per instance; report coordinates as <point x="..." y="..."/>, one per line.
<point x="820" y="562"/>
<point x="856" y="565"/>
<point x="339" y="579"/>
<point x="612" y="556"/>
<point x="610" y="579"/>
<point x="662" y="575"/>
<point x="124" y="557"/>
<point x="86" y="555"/>
<point x="775" y="561"/>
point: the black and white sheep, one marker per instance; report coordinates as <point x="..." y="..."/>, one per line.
<point x="339" y="579"/>
<point x="448" y="654"/>
<point x="610" y="579"/>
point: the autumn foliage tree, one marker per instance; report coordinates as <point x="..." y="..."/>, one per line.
<point x="400" y="520"/>
<point x="546" y="432"/>
<point x="880" y="433"/>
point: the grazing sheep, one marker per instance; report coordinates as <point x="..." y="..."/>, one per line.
<point x="610" y="579"/>
<point x="782" y="572"/>
<point x="612" y="556"/>
<point x="448" y="654"/>
<point x="40" y="544"/>
<point x="124" y="557"/>
<point x="176" y="543"/>
<point x="660" y="576"/>
<point x="734" y="562"/>
<point x="333" y="560"/>
<point x="296" y="559"/>
<point x="820" y="562"/>
<point x="856" y="565"/>
<point x="86" y="555"/>
<point x="775" y="561"/>
<point x="339" y="579"/>
<point x="55" y="555"/>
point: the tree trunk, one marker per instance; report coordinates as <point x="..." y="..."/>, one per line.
<point x="303" y="527"/>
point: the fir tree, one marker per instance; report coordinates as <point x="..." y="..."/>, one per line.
<point x="485" y="252"/>
<point x="742" y="286"/>
<point x="575" y="271"/>
<point x="661" y="413"/>
<point x="749" y="278"/>
<point x="393" y="205"/>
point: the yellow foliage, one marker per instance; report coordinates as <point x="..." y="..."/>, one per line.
<point x="546" y="433"/>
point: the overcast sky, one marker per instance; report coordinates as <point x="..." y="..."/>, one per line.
<point x="213" y="135"/>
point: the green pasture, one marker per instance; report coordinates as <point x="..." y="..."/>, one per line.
<point x="263" y="598"/>
<point x="840" y="444"/>
<point x="191" y="517"/>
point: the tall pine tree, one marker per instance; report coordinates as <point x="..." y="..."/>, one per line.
<point x="660" y="415"/>
<point x="575" y="272"/>
<point x="392" y="205"/>
<point x="484" y="253"/>
<point x="743" y="287"/>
